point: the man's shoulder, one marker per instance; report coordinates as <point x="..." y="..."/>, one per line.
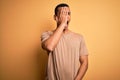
<point x="47" y="32"/>
<point x="78" y="34"/>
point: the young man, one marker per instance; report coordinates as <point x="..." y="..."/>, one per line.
<point x="68" y="55"/>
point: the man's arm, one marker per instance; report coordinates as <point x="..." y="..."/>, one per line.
<point x="83" y="68"/>
<point x="52" y="41"/>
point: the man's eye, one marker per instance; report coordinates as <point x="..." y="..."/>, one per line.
<point x="69" y="13"/>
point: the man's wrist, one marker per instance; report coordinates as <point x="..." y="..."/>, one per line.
<point x="62" y="25"/>
<point x="78" y="78"/>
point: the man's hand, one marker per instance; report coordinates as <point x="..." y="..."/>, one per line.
<point x="62" y="16"/>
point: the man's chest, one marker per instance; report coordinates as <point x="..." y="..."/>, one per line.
<point x="69" y="42"/>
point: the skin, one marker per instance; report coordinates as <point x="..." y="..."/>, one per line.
<point x="62" y="19"/>
<point x="83" y="68"/>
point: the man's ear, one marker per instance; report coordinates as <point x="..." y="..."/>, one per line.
<point x="55" y="18"/>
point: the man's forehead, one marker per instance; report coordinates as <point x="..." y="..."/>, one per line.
<point x="67" y="8"/>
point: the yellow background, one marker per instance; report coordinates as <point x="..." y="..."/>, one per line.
<point x="23" y="21"/>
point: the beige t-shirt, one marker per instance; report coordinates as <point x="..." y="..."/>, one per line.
<point x="63" y="61"/>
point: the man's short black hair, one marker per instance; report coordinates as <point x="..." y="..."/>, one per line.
<point x="60" y="5"/>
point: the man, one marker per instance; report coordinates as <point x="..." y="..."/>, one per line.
<point x="68" y="55"/>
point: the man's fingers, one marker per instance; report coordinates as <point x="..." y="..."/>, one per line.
<point x="63" y="11"/>
<point x="63" y="15"/>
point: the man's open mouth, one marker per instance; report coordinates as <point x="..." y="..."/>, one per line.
<point x="67" y="22"/>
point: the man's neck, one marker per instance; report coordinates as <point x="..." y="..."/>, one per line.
<point x="66" y="30"/>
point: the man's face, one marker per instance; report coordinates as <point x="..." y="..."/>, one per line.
<point x="66" y="9"/>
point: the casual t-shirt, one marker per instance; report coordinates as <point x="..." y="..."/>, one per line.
<point x="63" y="61"/>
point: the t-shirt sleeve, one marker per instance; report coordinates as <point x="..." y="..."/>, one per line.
<point x="83" y="48"/>
<point x="45" y="36"/>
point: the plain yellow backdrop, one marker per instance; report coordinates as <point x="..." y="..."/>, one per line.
<point x="23" y="21"/>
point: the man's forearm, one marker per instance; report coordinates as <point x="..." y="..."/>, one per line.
<point x="51" y="43"/>
<point x="82" y="70"/>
